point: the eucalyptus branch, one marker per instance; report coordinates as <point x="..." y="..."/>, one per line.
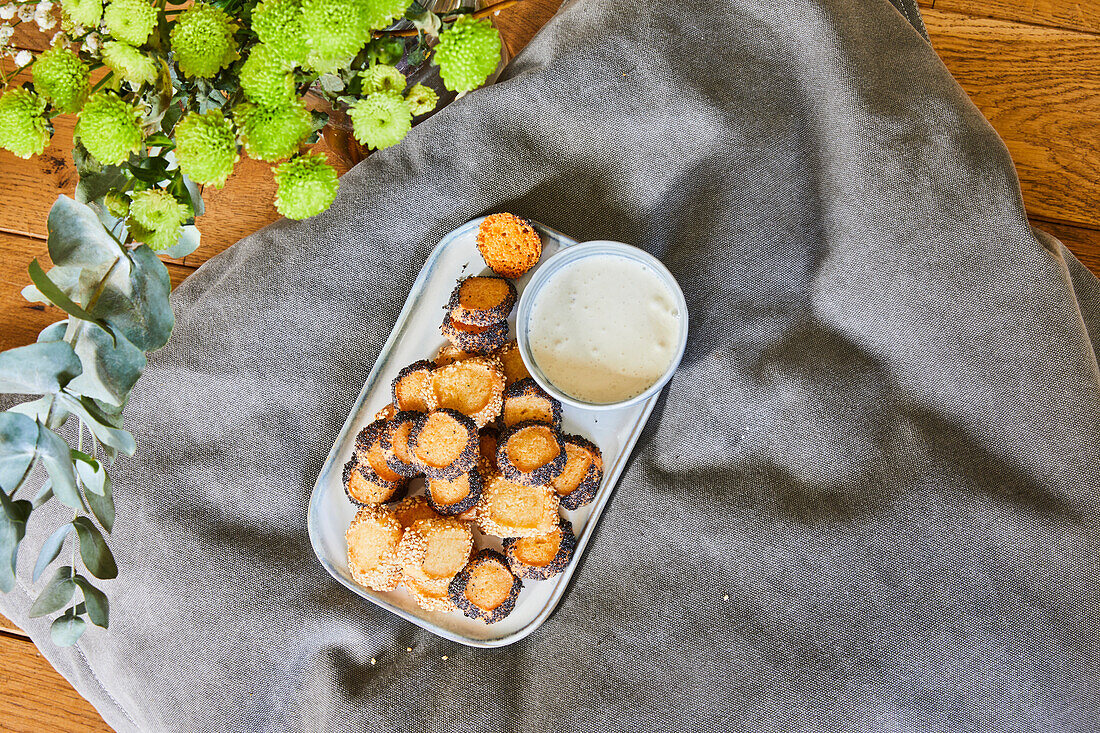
<point x="483" y="13"/>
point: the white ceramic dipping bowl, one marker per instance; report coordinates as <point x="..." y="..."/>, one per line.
<point x="562" y="260"/>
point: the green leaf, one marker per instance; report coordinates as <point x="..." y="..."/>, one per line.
<point x="18" y="441"/>
<point x="38" y="368"/>
<point x="135" y="300"/>
<point x="83" y="252"/>
<point x="94" y="551"/>
<point x="103" y="507"/>
<point x="50" y="549"/>
<point x="98" y="423"/>
<point x="53" y="332"/>
<point x="188" y="242"/>
<point x="91" y="472"/>
<point x="44" y="494"/>
<point x="13" y="527"/>
<point x="159" y="140"/>
<point x="110" y="367"/>
<point x="56" y="595"/>
<point x="95" y="602"/>
<point x="66" y="630"/>
<point x="91" y="187"/>
<point x="55" y="295"/>
<point x="59" y="465"/>
<point x="44" y="410"/>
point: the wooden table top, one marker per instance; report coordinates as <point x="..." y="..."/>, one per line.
<point x="1029" y="65"/>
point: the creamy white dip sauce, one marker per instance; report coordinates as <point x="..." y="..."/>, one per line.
<point x="604" y="329"/>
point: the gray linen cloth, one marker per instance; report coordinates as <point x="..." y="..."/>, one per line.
<point x="867" y="501"/>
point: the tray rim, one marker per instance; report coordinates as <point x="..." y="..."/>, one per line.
<point x="610" y="479"/>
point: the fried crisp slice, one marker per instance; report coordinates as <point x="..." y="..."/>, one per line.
<point x="394" y="441"/>
<point x="364" y="487"/>
<point x="431" y="552"/>
<point x="449" y="354"/>
<point x="480" y="340"/>
<point x="373" y="537"/>
<point x="444" y="443"/>
<point x="488" y="440"/>
<point x="409" y="386"/>
<point x="525" y="400"/>
<point x="474" y="387"/>
<point x="509" y="245"/>
<point x="508" y="509"/>
<point x="510" y="359"/>
<point x="482" y="301"/>
<point x="539" y="558"/>
<point x="580" y="479"/>
<point x="531" y="453"/>
<point x="486" y="588"/>
<point x="455" y="496"/>
<point x="414" y="508"/>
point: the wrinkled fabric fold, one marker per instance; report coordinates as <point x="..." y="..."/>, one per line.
<point x="868" y="500"/>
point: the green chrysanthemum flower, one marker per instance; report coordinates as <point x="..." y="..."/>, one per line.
<point x="382" y="78"/>
<point x="109" y="128"/>
<point x="156" y="217"/>
<point x="202" y="40"/>
<point x="83" y="12"/>
<point x="128" y="63"/>
<point x="334" y="31"/>
<point x="62" y="78"/>
<point x="467" y="53"/>
<point x="130" y="20"/>
<point x="23" y="129"/>
<point x="206" y="147"/>
<point x="272" y="133"/>
<point x="265" y="77"/>
<point x="305" y="186"/>
<point x="381" y="13"/>
<point x="117" y="203"/>
<point x="422" y="99"/>
<point x="278" y="23"/>
<point x="380" y="120"/>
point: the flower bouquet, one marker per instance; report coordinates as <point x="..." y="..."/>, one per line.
<point x="168" y="96"/>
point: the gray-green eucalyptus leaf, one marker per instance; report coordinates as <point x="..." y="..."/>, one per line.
<point x="53" y="332"/>
<point x="18" y="441"/>
<point x="56" y="595"/>
<point x="95" y="602"/>
<point x="67" y="629"/>
<point x="110" y="367"/>
<point x="189" y="241"/>
<point x="91" y="472"/>
<point x="50" y="549"/>
<point x="38" y="368"/>
<point x="103" y="507"/>
<point x="94" y="420"/>
<point x="13" y="527"/>
<point x="94" y="551"/>
<point x="59" y="465"/>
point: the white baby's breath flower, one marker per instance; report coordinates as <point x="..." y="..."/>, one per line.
<point x="7" y="12"/>
<point x="6" y="32"/>
<point x="26" y="13"/>
<point x="43" y="16"/>
<point x="23" y="58"/>
<point x="57" y="37"/>
<point x="91" y="43"/>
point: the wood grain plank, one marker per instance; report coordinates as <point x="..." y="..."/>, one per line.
<point x="10" y="628"/>
<point x="519" y="23"/>
<point x="21" y="321"/>
<point x="36" y="699"/>
<point x="1082" y="15"/>
<point x="1040" y="88"/>
<point x="1083" y="243"/>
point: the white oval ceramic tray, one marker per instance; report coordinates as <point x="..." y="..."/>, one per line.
<point x="416" y="336"/>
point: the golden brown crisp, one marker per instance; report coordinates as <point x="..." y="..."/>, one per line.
<point x="411" y="510"/>
<point x="525" y="400"/>
<point x="482" y="301"/>
<point x="531" y="453"/>
<point x="373" y="537"/>
<point x="431" y="552"/>
<point x="364" y="487"/>
<point x="514" y="368"/>
<point x="482" y="340"/>
<point x="449" y="354"/>
<point x="474" y="387"/>
<point x="486" y="589"/>
<point x="580" y="479"/>
<point x="508" y="509"/>
<point x="409" y="386"/>
<point x="509" y="245"/>
<point x="444" y="443"/>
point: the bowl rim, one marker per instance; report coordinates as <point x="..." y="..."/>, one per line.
<point x="567" y="256"/>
